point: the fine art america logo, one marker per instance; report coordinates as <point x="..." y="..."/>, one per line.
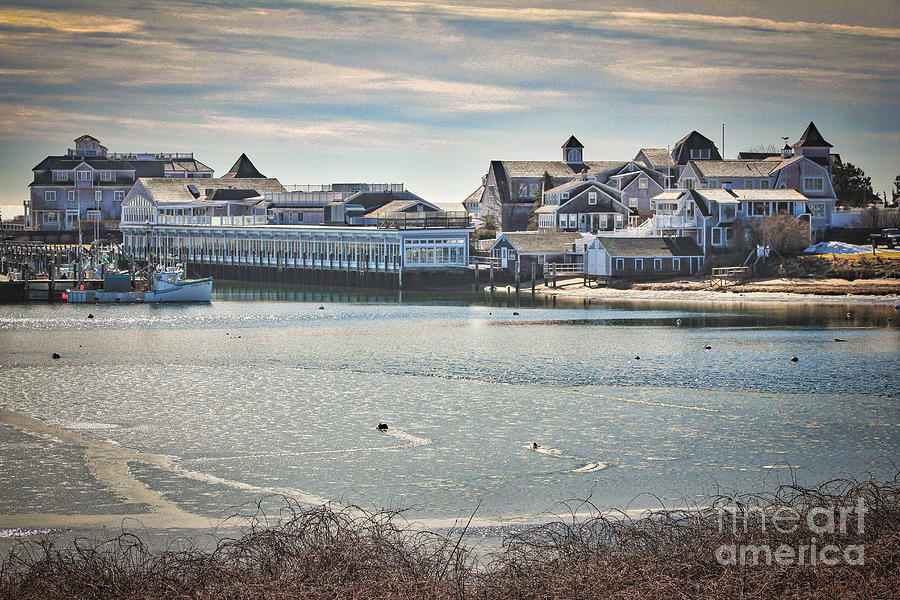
<point x="810" y="539"/>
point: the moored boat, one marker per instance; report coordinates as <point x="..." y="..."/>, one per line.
<point x="166" y="285"/>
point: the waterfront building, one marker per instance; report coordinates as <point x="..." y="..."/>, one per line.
<point x="641" y="258"/>
<point x="710" y="216"/>
<point x="89" y="183"/>
<point x="523" y="254"/>
<point x="584" y="205"/>
<point x="232" y="229"/>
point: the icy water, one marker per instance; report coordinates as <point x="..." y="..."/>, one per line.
<point x="262" y="392"/>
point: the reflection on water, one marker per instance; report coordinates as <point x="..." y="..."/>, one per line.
<point x="261" y="390"/>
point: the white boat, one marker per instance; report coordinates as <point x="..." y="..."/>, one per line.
<point x="166" y="285"/>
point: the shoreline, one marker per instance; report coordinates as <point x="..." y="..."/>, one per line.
<point x="760" y="292"/>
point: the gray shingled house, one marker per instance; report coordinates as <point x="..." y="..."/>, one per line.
<point x="526" y="252"/>
<point x="642" y="258"/>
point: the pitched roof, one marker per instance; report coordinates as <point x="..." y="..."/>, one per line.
<point x="232" y="194"/>
<point x="658" y="157"/>
<point x="168" y="189"/>
<point x="400" y="206"/>
<point x="556" y="168"/>
<point x="244" y="169"/>
<point x="369" y="200"/>
<point x="811" y="138"/>
<point x="572" y="142"/>
<point x="694" y="139"/>
<point x="474" y="197"/>
<point x="734" y="168"/>
<point x="86" y="137"/>
<point x="539" y="243"/>
<point x="650" y="246"/>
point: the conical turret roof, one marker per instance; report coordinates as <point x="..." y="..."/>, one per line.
<point x="244" y="169"/>
<point x="811" y="138"/>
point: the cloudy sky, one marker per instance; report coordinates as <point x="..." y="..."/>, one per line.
<point x="428" y="93"/>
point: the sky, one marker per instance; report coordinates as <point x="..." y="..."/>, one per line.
<point x="428" y="93"/>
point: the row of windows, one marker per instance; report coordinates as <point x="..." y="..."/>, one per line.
<point x="657" y="264"/>
<point x="50" y="196"/>
<point x="84" y="175"/>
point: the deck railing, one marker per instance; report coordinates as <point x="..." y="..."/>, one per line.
<point x="424" y="220"/>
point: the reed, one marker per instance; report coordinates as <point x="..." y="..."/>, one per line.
<point x="346" y="552"/>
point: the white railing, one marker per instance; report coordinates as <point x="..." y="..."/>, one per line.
<point x="674" y="221"/>
<point x="211" y="221"/>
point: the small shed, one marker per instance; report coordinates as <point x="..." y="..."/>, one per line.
<point x="642" y="258"/>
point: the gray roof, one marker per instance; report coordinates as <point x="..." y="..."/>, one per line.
<point x="244" y="169"/>
<point x="557" y="168"/>
<point x="734" y="168"/>
<point x="572" y="142"/>
<point x="658" y="157"/>
<point x="474" y="197"/>
<point x="539" y="243"/>
<point x="167" y="189"/>
<point x="811" y="138"/>
<point x="651" y="246"/>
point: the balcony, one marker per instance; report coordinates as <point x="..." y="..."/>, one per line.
<point x="424" y="220"/>
<point x="675" y="222"/>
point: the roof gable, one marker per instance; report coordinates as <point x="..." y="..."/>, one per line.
<point x="572" y="142"/>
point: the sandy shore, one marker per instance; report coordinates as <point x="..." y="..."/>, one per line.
<point x="884" y="292"/>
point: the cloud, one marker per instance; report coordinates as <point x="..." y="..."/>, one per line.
<point x="66" y="22"/>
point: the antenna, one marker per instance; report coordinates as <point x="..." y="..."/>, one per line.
<point x="723" y="141"/>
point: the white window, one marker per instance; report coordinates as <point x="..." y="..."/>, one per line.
<point x="564" y="195"/>
<point x="71" y="195"/>
<point x="700" y="153"/>
<point x="619" y="221"/>
<point x="620" y="264"/>
<point x="688" y="184"/>
<point x="119" y="196"/>
<point x="62" y="175"/>
<point x="541" y="258"/>
<point x="676" y="264"/>
<point x="93" y="215"/>
<point x="98" y="197"/>
<point x="816" y="209"/>
<point x="633" y="202"/>
<point x="657" y="264"/>
<point x="813" y="184"/>
<point x="592" y="197"/>
<point x="106" y="175"/>
<point x="50" y="218"/>
<point x="84" y="175"/>
<point x="639" y="264"/>
<point x="695" y="153"/>
<point x="642" y="183"/>
<point x="50" y="196"/>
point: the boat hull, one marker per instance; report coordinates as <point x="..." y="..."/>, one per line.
<point x="199" y="290"/>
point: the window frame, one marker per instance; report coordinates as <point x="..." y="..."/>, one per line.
<point x="49" y="195"/>
<point x="638" y="264"/>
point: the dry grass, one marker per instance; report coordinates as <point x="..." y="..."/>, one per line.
<point x="347" y="553"/>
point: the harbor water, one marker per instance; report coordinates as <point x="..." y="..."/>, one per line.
<point x="279" y="392"/>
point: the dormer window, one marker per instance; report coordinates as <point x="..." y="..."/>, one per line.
<point x="61" y="175"/>
<point x="700" y="153"/>
<point x="84" y="175"/>
<point x="573" y="155"/>
<point x="564" y="195"/>
<point x="106" y="175"/>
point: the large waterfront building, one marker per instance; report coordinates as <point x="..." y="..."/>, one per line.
<point x="89" y="183"/>
<point x="236" y="227"/>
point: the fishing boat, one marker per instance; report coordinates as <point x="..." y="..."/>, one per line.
<point x="165" y="285"/>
